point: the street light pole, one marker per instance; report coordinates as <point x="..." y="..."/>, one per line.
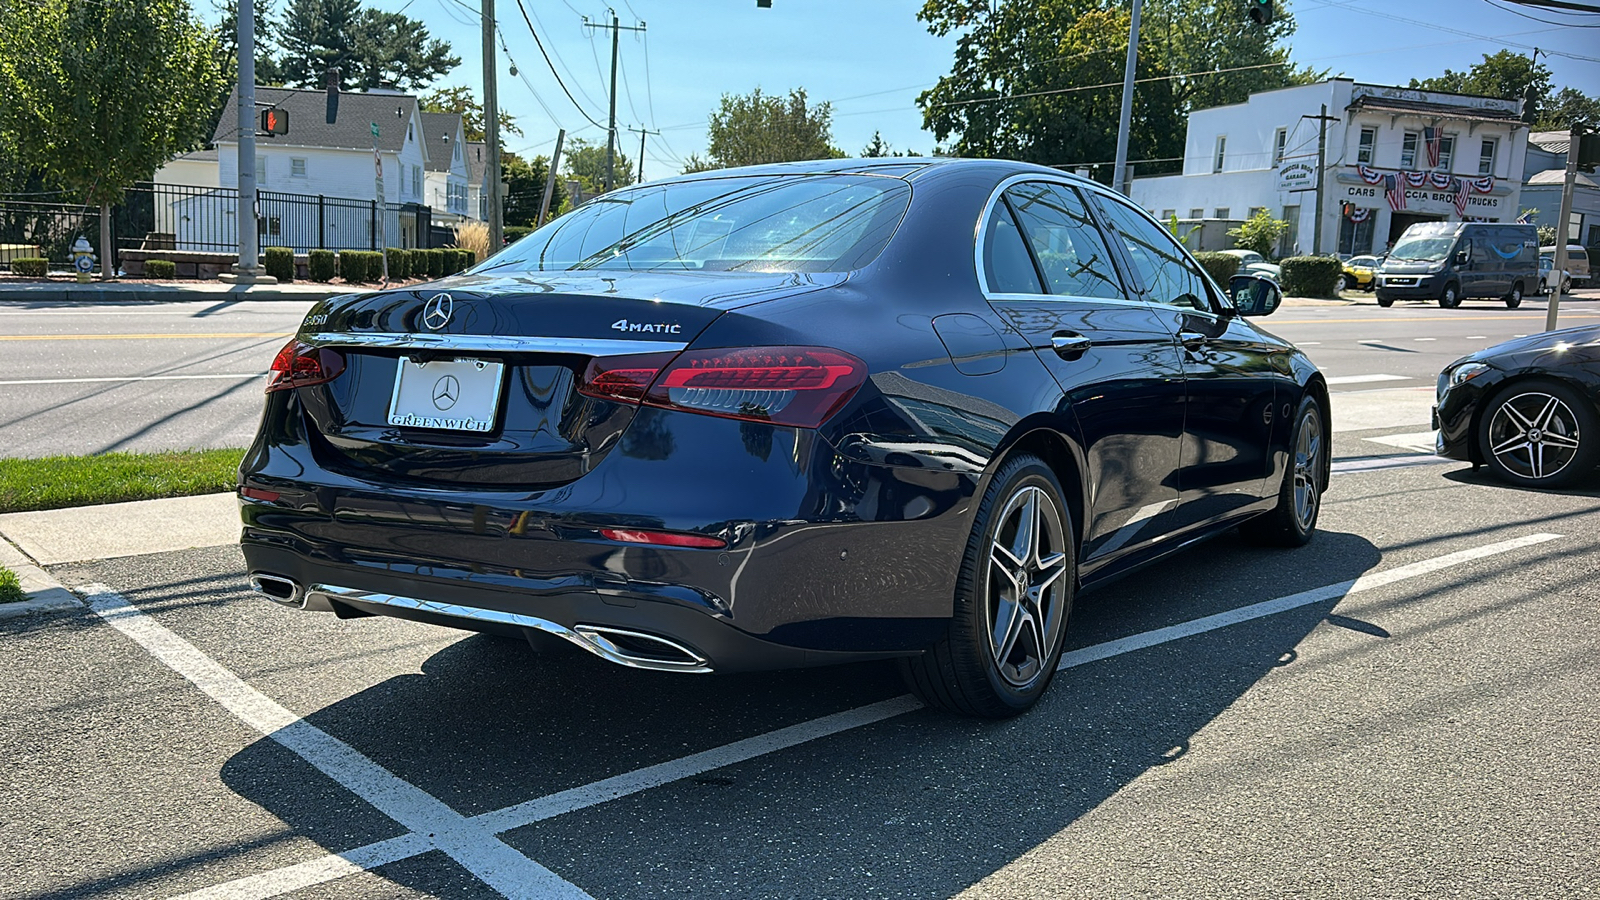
<point x="491" y="126"/>
<point x="1119" y="171"/>
<point x="248" y="269"/>
<point x="1558" y="266"/>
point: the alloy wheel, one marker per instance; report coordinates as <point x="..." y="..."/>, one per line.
<point x="1534" y="435"/>
<point x="1307" y="464"/>
<point x="1026" y="599"/>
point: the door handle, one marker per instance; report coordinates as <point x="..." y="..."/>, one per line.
<point x="1192" y="340"/>
<point x="1069" y="345"/>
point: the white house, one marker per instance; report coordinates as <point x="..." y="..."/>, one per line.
<point x="1262" y="154"/>
<point x="1546" y="173"/>
<point x="447" y="173"/>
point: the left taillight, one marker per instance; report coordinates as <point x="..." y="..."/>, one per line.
<point x="299" y="364"/>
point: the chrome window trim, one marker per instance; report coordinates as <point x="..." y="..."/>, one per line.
<point x="983" y="235"/>
<point x="1111" y="197"/>
<point x="484" y="343"/>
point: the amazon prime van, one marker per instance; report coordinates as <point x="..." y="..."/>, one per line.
<point x="1453" y="261"/>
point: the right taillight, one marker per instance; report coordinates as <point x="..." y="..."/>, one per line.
<point x="299" y="364"/>
<point x="799" y="386"/>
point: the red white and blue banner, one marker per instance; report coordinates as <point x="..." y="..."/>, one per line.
<point x="1440" y="180"/>
<point x="1526" y="218"/>
<point x="1394" y="189"/>
<point x="1459" y="188"/>
<point x="1416" y="179"/>
<point x="1368" y="175"/>
<point x="1482" y="185"/>
<point x="1360" y="215"/>
<point x="1430" y="140"/>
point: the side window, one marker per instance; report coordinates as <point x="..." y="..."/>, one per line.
<point x="1006" y="264"/>
<point x="1169" y="275"/>
<point x="1072" y="253"/>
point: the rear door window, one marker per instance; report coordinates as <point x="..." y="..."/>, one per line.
<point x="1166" y="272"/>
<point x="1071" y="251"/>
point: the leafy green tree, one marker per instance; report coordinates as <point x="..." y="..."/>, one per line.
<point x="525" y="188"/>
<point x="461" y="100"/>
<point x="1260" y="232"/>
<point x="1567" y="106"/>
<point x="756" y="128"/>
<point x="1506" y="74"/>
<point x="586" y="162"/>
<point x="879" y="147"/>
<point x="99" y="95"/>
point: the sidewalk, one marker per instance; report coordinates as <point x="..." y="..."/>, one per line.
<point x="168" y="292"/>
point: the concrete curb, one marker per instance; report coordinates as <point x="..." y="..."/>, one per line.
<point x="88" y="533"/>
<point x="44" y="593"/>
<point x="161" y="293"/>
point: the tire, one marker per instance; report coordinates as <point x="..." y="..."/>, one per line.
<point x="1294" y="520"/>
<point x="1385" y="302"/>
<point x="1566" y="285"/>
<point x="1514" y="299"/>
<point x="1342" y="285"/>
<point x="1546" y="434"/>
<point x="1450" y="297"/>
<point x="999" y="655"/>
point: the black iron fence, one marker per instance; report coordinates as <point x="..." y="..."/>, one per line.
<point x="182" y="218"/>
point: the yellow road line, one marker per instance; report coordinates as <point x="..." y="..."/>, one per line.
<point x="142" y="337"/>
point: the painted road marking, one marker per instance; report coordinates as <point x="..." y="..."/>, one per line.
<point x="1425" y="339"/>
<point x="1375" y="463"/>
<point x="477" y="850"/>
<point x="1365" y="379"/>
<point x="333" y="866"/>
<point x="235" y="377"/>
<point x="1476" y="337"/>
<point x="145" y="337"/>
<point x="1419" y="441"/>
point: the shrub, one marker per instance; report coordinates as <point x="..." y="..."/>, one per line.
<point x="468" y="259"/>
<point x="399" y="264"/>
<point x="1310" y="276"/>
<point x="279" y="262"/>
<point x="435" y="259"/>
<point x="322" y="265"/>
<point x="160" y="268"/>
<point x="1220" y="266"/>
<point x="1260" y="233"/>
<point x="353" y="266"/>
<point x="32" y="266"/>
<point x="516" y="233"/>
<point x="11" y="587"/>
<point x="474" y="237"/>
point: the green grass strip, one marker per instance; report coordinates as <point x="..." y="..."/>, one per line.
<point x="56" y="482"/>
<point x="10" y="587"/>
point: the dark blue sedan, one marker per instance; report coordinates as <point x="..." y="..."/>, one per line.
<point x="787" y="416"/>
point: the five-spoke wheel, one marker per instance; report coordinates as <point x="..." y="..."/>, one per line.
<point x="1539" y="433"/>
<point x="1027" y="559"/>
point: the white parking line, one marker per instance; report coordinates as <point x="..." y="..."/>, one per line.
<point x="476" y="849"/>
<point x="1375" y="463"/>
<point x="1365" y="379"/>
<point x="1425" y="339"/>
<point x="235" y="377"/>
<point x="334" y="866"/>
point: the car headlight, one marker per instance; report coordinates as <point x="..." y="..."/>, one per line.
<point x="1459" y="374"/>
<point x="1437" y="267"/>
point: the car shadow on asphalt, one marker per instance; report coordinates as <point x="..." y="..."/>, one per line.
<point x="923" y="804"/>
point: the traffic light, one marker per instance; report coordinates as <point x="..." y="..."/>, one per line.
<point x="1260" y="11"/>
<point x="274" y="121"/>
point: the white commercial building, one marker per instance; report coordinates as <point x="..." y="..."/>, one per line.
<point x="1391" y="157"/>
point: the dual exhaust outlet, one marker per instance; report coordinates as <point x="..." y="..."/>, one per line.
<point x="634" y="649"/>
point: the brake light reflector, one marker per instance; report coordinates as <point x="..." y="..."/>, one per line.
<point x="623" y="378"/>
<point x="299" y="364"/>
<point x="800" y="386"/>
<point x="663" y="538"/>
<point x="252" y="493"/>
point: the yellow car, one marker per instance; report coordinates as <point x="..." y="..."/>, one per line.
<point x="1360" y="273"/>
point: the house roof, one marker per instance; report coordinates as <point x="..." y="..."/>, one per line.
<point x="442" y="130"/>
<point x="1551" y="141"/>
<point x="1559" y="177"/>
<point x="308" y="126"/>
<point x="1433" y="108"/>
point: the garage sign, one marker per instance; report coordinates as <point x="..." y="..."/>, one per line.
<point x="1297" y="176"/>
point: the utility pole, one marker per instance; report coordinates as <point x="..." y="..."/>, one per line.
<point x="491" y="127"/>
<point x="1559" y="265"/>
<point x="248" y="269"/>
<point x="1125" y="120"/>
<point x="611" y="126"/>
<point x="1322" y="163"/>
<point x="642" y="132"/>
<point x="550" y="179"/>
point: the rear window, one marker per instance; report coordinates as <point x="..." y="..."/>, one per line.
<point x="794" y="223"/>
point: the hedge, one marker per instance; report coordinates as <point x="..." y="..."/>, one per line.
<point x="1220" y="266"/>
<point x="279" y="262"/>
<point x="322" y="265"/>
<point x="34" y="266"/>
<point x="353" y="265"/>
<point x="435" y="259"/>
<point x="1310" y="276"/>
<point x="514" y="233"/>
<point x="399" y="264"/>
<point x="160" y="268"/>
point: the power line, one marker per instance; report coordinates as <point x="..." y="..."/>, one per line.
<point x="522" y="9"/>
<point x="1437" y="27"/>
<point x="1518" y="12"/>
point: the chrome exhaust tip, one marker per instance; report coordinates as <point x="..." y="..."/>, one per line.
<point x="277" y="589"/>
<point x="635" y="648"/>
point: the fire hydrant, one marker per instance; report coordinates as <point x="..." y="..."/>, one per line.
<point x="82" y="259"/>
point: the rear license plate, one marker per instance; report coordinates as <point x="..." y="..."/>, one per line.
<point x="446" y="394"/>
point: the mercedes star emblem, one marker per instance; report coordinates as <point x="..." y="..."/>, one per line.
<point x="445" y="392"/>
<point x="436" y="314"/>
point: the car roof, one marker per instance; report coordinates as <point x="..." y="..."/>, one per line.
<point x="910" y="168"/>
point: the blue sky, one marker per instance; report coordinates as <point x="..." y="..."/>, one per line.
<point x="872" y="57"/>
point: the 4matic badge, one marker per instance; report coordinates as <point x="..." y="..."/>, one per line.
<point x="654" y="328"/>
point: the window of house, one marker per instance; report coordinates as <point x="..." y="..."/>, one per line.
<point x="1369" y="139"/>
<point x="1408" y="150"/>
<point x="1197" y="213"/>
<point x="1222" y="149"/>
<point x="1222" y="212"/>
<point x="1279" y="142"/>
<point x="1486" y="156"/>
<point x="416" y="181"/>
<point x="1253" y="210"/>
<point x="297" y="166"/>
<point x="1168" y="213"/>
<point x="1447" y="152"/>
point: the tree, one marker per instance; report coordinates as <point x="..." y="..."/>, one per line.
<point x="878" y="147"/>
<point x="369" y="47"/>
<point x="1506" y="74"/>
<point x="756" y="128"/>
<point x="587" y="163"/>
<point x="1569" y="106"/>
<point x="1260" y="232"/>
<point x="461" y="100"/>
<point x="525" y="188"/>
<point x="228" y="44"/>
<point x="99" y="95"/>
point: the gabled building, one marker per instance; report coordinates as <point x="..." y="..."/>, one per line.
<point x="448" y="175"/>
<point x="1392" y="156"/>
<point x="1546" y="175"/>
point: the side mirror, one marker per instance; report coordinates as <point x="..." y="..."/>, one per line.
<point x="1461" y="257"/>
<point x="1253" y="295"/>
